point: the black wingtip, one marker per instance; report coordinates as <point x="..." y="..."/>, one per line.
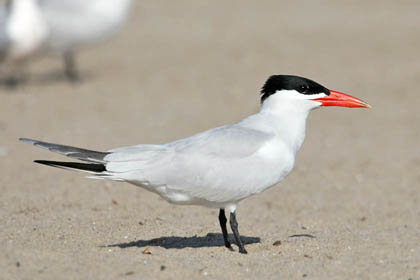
<point x="91" y="167"/>
<point x="46" y="162"/>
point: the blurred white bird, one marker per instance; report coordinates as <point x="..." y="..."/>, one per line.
<point x="31" y="27"/>
<point x="23" y="31"/>
<point x="222" y="166"/>
<point x="78" y="23"/>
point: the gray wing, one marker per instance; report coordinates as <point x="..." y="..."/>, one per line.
<point x="217" y="165"/>
<point x="223" y="142"/>
<point x="72" y="152"/>
<point x="214" y="165"/>
<point x="233" y="141"/>
<point x="139" y="157"/>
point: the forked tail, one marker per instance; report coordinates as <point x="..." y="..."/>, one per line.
<point x="95" y="159"/>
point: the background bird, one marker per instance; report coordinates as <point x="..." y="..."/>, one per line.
<point x="219" y="167"/>
<point x="23" y="32"/>
<point x="74" y="24"/>
<point x="62" y="27"/>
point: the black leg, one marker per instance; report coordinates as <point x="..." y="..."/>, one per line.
<point x="223" y="220"/>
<point x="70" y="67"/>
<point x="234" y="226"/>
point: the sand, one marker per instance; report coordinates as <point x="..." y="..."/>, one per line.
<point x="178" y="68"/>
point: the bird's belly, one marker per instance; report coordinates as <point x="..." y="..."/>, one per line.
<point x="175" y="195"/>
<point x="223" y="184"/>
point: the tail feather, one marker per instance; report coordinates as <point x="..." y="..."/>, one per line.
<point x="96" y="168"/>
<point x="73" y="152"/>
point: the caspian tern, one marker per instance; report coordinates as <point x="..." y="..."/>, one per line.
<point x="222" y="166"/>
<point x="33" y="27"/>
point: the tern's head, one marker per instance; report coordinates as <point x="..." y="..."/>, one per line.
<point x="299" y="92"/>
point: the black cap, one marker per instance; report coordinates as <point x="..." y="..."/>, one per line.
<point x="288" y="82"/>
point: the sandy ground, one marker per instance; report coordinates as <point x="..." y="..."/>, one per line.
<point x="178" y="68"/>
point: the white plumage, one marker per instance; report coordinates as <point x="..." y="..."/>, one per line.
<point x="217" y="168"/>
<point x="23" y="31"/>
<point x="77" y="23"/>
<point x="222" y="166"/>
<point x="32" y="27"/>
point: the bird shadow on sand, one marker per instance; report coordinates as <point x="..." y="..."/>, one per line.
<point x="176" y="242"/>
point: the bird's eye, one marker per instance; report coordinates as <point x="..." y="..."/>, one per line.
<point x="303" y="88"/>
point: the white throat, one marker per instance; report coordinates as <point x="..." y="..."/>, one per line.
<point x="287" y="112"/>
